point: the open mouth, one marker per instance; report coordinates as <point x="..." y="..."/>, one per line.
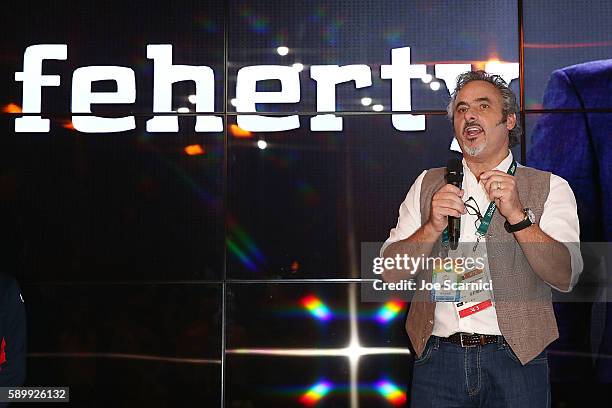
<point x="471" y="133"/>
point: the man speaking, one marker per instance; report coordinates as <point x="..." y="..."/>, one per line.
<point x="486" y="348"/>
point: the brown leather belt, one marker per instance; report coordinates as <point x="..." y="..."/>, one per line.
<point x="471" y="340"/>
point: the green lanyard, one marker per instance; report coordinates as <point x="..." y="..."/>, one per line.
<point x="486" y="219"/>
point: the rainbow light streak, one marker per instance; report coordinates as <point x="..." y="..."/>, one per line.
<point x="208" y="24"/>
<point x="279" y="39"/>
<point x="316" y="307"/>
<point x="394" y="37"/>
<point x="244" y="258"/>
<point x="318" y="14"/>
<point x="257" y="23"/>
<point x="315" y="393"/>
<point x="330" y="33"/>
<point x="391" y="392"/>
<point x="389" y="311"/>
<point x="246" y="240"/>
<point x="243" y="247"/>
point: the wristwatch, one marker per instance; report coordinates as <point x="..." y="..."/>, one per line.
<point x="526" y="222"/>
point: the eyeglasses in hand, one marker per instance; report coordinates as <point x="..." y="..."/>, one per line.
<point x="472" y="208"/>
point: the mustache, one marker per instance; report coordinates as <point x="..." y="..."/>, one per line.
<point x="473" y="123"/>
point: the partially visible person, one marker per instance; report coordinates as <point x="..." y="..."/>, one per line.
<point x="578" y="147"/>
<point x="12" y="333"/>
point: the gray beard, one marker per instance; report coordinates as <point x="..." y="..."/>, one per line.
<point x="475" y="151"/>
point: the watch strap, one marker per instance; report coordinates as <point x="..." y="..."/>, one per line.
<point x="526" y="222"/>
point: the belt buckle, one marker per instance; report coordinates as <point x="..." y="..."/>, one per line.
<point x="461" y="340"/>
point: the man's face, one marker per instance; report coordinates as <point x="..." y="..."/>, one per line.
<point x="478" y="121"/>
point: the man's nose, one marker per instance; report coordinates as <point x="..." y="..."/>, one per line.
<point x="469" y="115"/>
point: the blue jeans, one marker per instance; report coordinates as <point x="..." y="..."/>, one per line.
<point x="448" y="375"/>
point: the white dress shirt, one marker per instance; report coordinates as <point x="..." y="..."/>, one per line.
<point x="559" y="220"/>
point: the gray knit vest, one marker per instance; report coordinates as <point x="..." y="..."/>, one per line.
<point x="522" y="300"/>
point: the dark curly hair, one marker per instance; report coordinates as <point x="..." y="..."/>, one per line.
<point x="509" y="103"/>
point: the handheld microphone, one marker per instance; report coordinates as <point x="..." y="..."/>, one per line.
<point x="454" y="176"/>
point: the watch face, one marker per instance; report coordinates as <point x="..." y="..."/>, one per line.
<point x="530" y="215"/>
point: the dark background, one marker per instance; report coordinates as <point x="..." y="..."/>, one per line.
<point x="146" y="270"/>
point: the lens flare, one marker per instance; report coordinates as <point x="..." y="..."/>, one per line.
<point x="239" y="132"/>
<point x="194" y="150"/>
<point x="66" y="124"/>
<point x="11" y="108"/>
<point x="391" y="392"/>
<point x="315" y="393"/>
<point x="389" y="311"/>
<point x="316" y="307"/>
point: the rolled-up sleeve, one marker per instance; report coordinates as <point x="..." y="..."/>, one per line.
<point x="560" y="221"/>
<point x="409" y="219"/>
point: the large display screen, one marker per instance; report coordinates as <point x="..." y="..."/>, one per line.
<point x="185" y="185"/>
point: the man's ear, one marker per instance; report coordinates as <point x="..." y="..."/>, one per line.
<point x="511" y="121"/>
